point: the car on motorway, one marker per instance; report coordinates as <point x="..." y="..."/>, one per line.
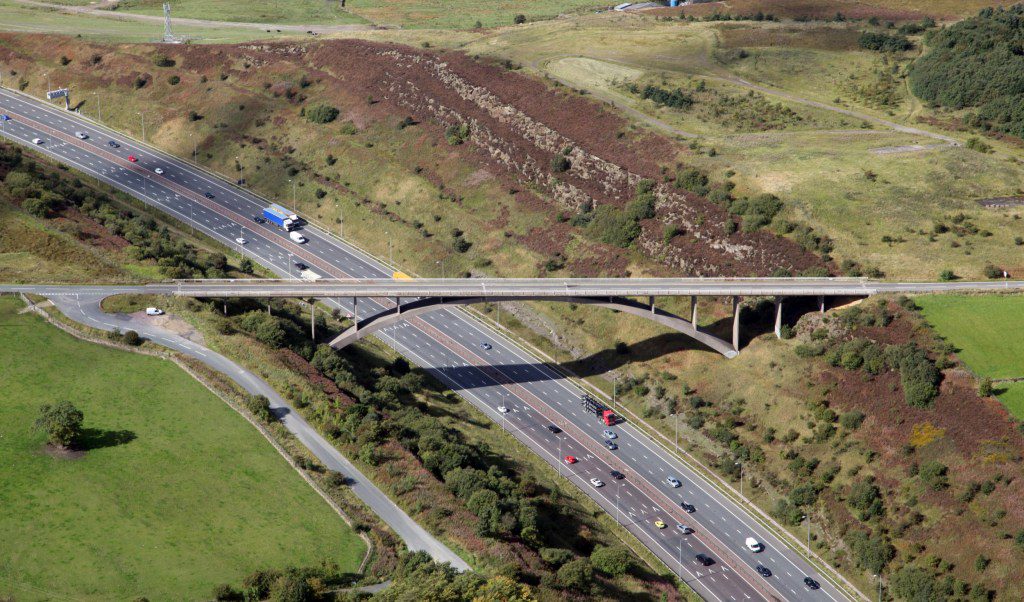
<point x="704" y="559"/>
<point x="297" y="237"/>
<point x="611" y="445"/>
<point x="811" y="583"/>
<point x="687" y="508"/>
<point x="113" y="144"/>
<point x="37" y="141"/>
<point x="81" y="135"/>
<point x="5" y="117"/>
<point x="554" y="429"/>
<point x="660" y="524"/>
<point x="763" y="571"/>
<point x="610" y="434"/>
<point x="503" y="409"/>
<point x="301" y="266"/>
<point x="208" y="195"/>
<point x="133" y="158"/>
<point x="617" y="475"/>
<point x="159" y="171"/>
<point x="258" y="219"/>
<point x="673" y="482"/>
<point x="154" y="311"/>
<point x="570" y="459"/>
<point x="753" y="545"/>
<point x="596" y="482"/>
<point x="485" y="346"/>
<point x="684" y="528"/>
<point x="241" y="241"/>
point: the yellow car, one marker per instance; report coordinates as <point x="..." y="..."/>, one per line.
<point x="659" y="524"/>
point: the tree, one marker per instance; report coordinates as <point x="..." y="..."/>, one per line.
<point x="259" y="406"/>
<point x="291" y="587"/>
<point x="985" y="387"/>
<point x="613" y="561"/>
<point x="519" y="19"/>
<point x="560" y="163"/>
<point x="62" y="423"/>
<point x="503" y="589"/>
<point x="484" y="504"/>
<point x="576" y="575"/>
<point x="916" y="584"/>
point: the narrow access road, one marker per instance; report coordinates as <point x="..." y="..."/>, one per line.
<point x="85" y="309"/>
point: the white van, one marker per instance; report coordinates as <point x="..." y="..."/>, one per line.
<point x="297" y="237"/>
<point x="81" y="135"/>
<point x="154" y="311"/>
<point x="753" y="545"/>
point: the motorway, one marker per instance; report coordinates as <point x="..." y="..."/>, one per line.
<point x="449" y="344"/>
<point x="84" y="308"/>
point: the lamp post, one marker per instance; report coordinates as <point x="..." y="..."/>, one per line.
<point x="879" y="577"/>
<point x="808" y="548"/>
<point x="740" y="464"/>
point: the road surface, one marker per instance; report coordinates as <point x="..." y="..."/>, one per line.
<point x="85" y="309"/>
<point x="486" y="368"/>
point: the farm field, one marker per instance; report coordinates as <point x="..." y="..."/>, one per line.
<point x="175" y="494"/>
<point x="984" y="330"/>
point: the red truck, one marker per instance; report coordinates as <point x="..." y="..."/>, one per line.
<point x="592" y="406"/>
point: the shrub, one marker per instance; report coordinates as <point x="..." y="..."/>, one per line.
<point x="130" y="337"/>
<point x="676" y="99"/>
<point x="851" y="420"/>
<point x="866" y="498"/>
<point x="555" y="556"/>
<point x="174" y="80"/>
<point x="457" y="134"/>
<point x="140" y="82"/>
<point x="259" y="406"/>
<point x="873" y="552"/>
<point x="758" y="211"/>
<point x="560" y="163"/>
<point x="985" y="387"/>
<point x="225" y="593"/>
<point x="993" y="272"/>
<point x="519" y="19"/>
<point x="161" y="60"/>
<point x="322" y="113"/>
<point x="934" y="475"/>
<point x="576" y="575"/>
<point x="612" y="561"/>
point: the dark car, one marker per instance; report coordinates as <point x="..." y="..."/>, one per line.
<point x="763" y="571"/>
<point x="688" y="508"/>
<point x="554" y="429"/>
<point x="113" y="144"/>
<point x="301" y="266"/>
<point x="617" y="475"/>
<point x="705" y="560"/>
<point x="811" y="583"/>
<point x="208" y="195"/>
<point x="258" y="219"/>
<point x="611" y="445"/>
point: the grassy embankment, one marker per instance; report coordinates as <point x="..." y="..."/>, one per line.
<point x="986" y="330"/>
<point x="175" y="493"/>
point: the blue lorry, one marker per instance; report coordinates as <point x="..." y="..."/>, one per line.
<point x="281" y="217"/>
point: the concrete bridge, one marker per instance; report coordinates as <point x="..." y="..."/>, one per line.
<point x="400" y="299"/>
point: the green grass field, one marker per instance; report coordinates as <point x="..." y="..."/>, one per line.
<point x="987" y="331"/>
<point x="21" y="19"/>
<point x="195" y="499"/>
<point x="296" y="12"/>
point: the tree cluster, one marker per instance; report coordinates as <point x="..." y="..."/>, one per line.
<point x="978" y="62"/>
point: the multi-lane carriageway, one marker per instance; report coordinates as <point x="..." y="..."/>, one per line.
<point x="448" y="344"/>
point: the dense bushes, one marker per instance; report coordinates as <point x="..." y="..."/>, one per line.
<point x="620" y="227"/>
<point x="882" y="42"/>
<point x="676" y="99"/>
<point x="757" y="211"/>
<point x="978" y="62"/>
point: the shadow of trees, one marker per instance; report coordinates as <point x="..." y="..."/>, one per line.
<point x="94" y="438"/>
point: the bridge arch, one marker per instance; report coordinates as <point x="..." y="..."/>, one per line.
<point x="392" y="315"/>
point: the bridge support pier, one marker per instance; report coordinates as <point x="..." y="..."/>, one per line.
<point x="651" y="298"/>
<point x="312" y="319"/>
<point x="355" y="314"/>
<point x="693" y="311"/>
<point x="821" y="303"/>
<point x="778" y="317"/>
<point x="736" y="324"/>
<point x="398" y="304"/>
